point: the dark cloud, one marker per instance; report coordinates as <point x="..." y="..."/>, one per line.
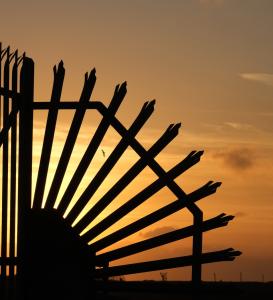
<point x="237" y="159"/>
<point x="157" y="231"/>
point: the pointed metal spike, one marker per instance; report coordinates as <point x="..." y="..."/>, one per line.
<point x="123" y="87"/>
<point x="209" y="183"/>
<point x="176" y="128"/>
<point x="170" y="127"/>
<point x="192" y="153"/>
<point x="92" y="74"/>
<point x="198" y="154"/>
<point x="12" y="55"/>
<point x="145" y="104"/>
<point x="20" y="59"/>
<point x="151" y="104"/>
<point x="116" y="89"/>
<point x="215" y="185"/>
<point x="148" y="105"/>
<point x="230" y="217"/>
<point x="3" y="52"/>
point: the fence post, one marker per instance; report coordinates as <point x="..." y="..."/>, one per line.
<point x="25" y="161"/>
<point x="197" y="250"/>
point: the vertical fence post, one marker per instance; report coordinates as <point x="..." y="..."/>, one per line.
<point x="25" y="161"/>
<point x="13" y="168"/>
<point x="197" y="249"/>
<point x="5" y="165"/>
<point x="1" y="275"/>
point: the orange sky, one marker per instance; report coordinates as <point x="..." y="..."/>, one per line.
<point x="208" y="63"/>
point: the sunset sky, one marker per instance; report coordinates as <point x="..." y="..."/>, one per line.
<point x="209" y="65"/>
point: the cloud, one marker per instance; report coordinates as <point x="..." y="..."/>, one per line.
<point x="237" y="159"/>
<point x="157" y="231"/>
<point x="264" y="78"/>
<point x="238" y="126"/>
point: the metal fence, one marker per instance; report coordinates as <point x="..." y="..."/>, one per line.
<point x="16" y="141"/>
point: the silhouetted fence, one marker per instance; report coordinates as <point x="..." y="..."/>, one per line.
<point x="16" y="140"/>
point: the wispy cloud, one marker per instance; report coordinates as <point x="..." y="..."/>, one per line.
<point x="239" y="159"/>
<point x="239" y="126"/>
<point x="264" y="78"/>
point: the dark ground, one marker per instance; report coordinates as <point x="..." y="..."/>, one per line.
<point x="154" y="290"/>
<point x="169" y="290"/>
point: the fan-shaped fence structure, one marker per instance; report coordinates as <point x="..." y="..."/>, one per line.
<point x="42" y="254"/>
